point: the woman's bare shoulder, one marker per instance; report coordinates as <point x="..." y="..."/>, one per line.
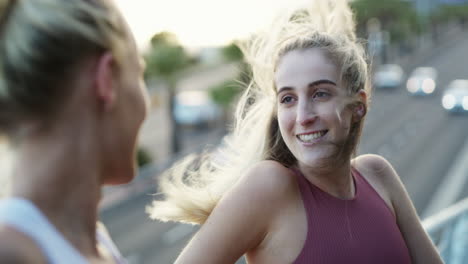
<point x="269" y="178"/>
<point x="17" y="248"/>
<point x="371" y="161"/>
<point x="380" y="170"/>
<point x="375" y="166"/>
<point x="380" y="174"/>
<point x="265" y="187"/>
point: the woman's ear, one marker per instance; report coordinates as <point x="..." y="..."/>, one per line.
<point x="104" y="82"/>
<point x="360" y="108"/>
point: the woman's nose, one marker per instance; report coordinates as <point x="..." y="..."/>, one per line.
<point x="305" y="114"/>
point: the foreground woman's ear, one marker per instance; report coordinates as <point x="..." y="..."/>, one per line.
<point x="104" y="82"/>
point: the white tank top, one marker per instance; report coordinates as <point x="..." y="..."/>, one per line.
<point x="25" y="217"/>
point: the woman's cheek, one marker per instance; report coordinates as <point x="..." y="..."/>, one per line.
<point x="286" y="121"/>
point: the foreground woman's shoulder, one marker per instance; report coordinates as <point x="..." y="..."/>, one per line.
<point x="17" y="248"/>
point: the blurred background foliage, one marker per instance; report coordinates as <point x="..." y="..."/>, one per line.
<point x="397" y="17"/>
<point x="232" y="52"/>
<point x="450" y="13"/>
<point x="143" y="157"/>
<point x="225" y="93"/>
<point x="166" y="56"/>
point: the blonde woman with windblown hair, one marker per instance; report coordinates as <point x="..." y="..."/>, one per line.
<point x="72" y="100"/>
<point x="284" y="187"/>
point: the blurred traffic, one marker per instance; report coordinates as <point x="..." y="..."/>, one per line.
<point x="196" y="109"/>
<point x="388" y="76"/>
<point x="455" y="98"/>
<point x="422" y="81"/>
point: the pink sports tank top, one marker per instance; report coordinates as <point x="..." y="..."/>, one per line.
<point x="361" y="230"/>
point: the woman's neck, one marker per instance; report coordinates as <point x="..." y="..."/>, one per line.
<point x="60" y="173"/>
<point x="336" y="180"/>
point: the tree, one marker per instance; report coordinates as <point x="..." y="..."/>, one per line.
<point x="143" y="157"/>
<point x="398" y="17"/>
<point x="225" y="93"/>
<point x="447" y="13"/>
<point x="165" y="59"/>
<point x="232" y="52"/>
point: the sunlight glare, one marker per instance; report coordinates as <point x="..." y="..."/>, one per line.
<point x="202" y="22"/>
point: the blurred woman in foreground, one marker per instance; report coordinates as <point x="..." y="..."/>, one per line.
<point x="72" y="100"/>
<point x="284" y="187"/>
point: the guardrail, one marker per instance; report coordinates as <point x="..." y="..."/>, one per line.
<point x="449" y="231"/>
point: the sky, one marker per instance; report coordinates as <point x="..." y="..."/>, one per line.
<point x="199" y="23"/>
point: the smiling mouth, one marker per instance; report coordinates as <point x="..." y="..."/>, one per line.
<point x="311" y="137"/>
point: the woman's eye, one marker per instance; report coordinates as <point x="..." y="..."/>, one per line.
<point x="321" y="94"/>
<point x="287" y="99"/>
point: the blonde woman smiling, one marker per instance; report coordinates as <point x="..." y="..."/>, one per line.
<point x="288" y="188"/>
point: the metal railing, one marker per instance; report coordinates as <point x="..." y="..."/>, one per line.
<point x="449" y="231"/>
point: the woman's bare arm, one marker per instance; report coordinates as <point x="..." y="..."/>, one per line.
<point x="241" y="219"/>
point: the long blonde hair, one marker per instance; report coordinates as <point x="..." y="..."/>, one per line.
<point x="193" y="187"/>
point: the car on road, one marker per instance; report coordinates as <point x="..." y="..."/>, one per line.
<point x="388" y="76"/>
<point x="455" y="97"/>
<point x="195" y="108"/>
<point x="422" y="81"/>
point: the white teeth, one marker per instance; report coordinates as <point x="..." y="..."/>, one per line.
<point x="310" y="137"/>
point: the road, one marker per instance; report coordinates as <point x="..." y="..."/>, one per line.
<point x="415" y="134"/>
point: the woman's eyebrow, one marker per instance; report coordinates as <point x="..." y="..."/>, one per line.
<point x="322" y="81"/>
<point x="285" y="88"/>
<point x="312" y="84"/>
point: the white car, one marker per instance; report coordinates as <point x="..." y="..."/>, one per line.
<point x="388" y="76"/>
<point x="422" y="81"/>
<point x="195" y="108"/>
<point x="455" y="98"/>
